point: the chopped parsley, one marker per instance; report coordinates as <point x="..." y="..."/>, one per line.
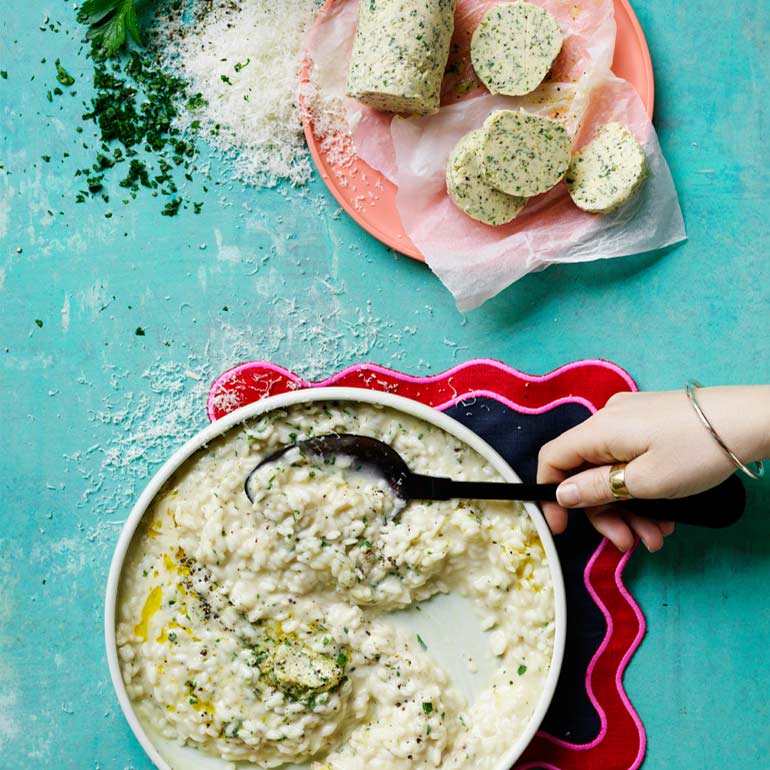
<point x="134" y="108"/>
<point x="427" y="707"/>
<point x="171" y="209"/>
<point x="196" y="102"/>
<point x="421" y="642"/>
<point x="521" y="670"/>
<point x="63" y="76"/>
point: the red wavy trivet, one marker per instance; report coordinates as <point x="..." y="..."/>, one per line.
<point x="620" y="743"/>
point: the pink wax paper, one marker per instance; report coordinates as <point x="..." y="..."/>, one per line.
<point x="476" y="261"/>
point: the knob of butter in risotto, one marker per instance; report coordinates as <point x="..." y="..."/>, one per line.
<point x="299" y="671"/>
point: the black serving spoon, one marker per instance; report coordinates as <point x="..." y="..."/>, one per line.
<point x="718" y="507"/>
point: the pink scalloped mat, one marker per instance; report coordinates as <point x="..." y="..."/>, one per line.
<point x="619" y="743"/>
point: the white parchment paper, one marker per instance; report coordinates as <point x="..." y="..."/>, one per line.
<point x="476" y="261"/>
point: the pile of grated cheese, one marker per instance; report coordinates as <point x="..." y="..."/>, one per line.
<point x="244" y="59"/>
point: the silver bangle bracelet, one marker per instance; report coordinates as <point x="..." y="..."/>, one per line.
<point x="755" y="473"/>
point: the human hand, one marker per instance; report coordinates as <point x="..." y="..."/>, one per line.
<point x="669" y="453"/>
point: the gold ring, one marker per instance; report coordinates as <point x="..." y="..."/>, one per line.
<point x="618" y="482"/>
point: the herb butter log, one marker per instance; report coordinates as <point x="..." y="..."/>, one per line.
<point x="523" y="154"/>
<point x="608" y="171"/>
<point x="514" y="46"/>
<point x="399" y="54"/>
<point x="469" y="190"/>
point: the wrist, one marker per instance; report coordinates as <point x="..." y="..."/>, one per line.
<point x="741" y="417"/>
<point x="764" y="415"/>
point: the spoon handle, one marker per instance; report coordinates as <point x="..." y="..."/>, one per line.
<point x="715" y="508"/>
<point x="718" y="507"/>
<point x="439" y="488"/>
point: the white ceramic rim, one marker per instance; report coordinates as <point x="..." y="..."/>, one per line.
<point x="398" y="403"/>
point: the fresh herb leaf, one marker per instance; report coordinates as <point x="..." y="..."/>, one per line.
<point x="171" y="209"/>
<point x="421" y="642"/>
<point x="521" y="670"/>
<point x="139" y="331"/>
<point x="63" y="76"/>
<point x="109" y="22"/>
<point x="427" y="707"/>
<point x="39" y="323"/>
<point x="342" y="659"/>
<point x="196" y="102"/>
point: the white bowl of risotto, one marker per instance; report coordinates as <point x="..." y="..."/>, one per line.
<point x="307" y="629"/>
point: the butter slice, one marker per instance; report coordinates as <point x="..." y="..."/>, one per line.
<point x="514" y="46"/>
<point x="523" y="154"/>
<point x="608" y="171"/>
<point x="469" y="189"/>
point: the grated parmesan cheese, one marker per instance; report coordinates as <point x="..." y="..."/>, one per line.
<point x="331" y="128"/>
<point x="244" y="59"/>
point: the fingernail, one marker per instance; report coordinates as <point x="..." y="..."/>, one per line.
<point x="568" y="495"/>
<point x="649" y="547"/>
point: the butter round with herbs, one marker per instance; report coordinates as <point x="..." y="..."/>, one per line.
<point x="399" y="55"/>
<point x="514" y="46"/>
<point x="469" y="189"/>
<point x="608" y="171"/>
<point x="261" y="632"/>
<point x="523" y="154"/>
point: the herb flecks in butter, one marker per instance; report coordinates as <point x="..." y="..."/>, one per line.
<point x="514" y="46"/>
<point x="400" y="53"/>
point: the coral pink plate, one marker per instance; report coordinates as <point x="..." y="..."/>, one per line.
<point x="632" y="63"/>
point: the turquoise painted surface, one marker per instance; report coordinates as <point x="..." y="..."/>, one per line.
<point x="90" y="408"/>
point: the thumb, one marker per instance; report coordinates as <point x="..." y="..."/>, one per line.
<point x="588" y="488"/>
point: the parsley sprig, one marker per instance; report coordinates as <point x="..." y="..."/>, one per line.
<point x="110" y="22"/>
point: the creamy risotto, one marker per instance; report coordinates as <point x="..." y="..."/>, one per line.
<point x="260" y="631"/>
